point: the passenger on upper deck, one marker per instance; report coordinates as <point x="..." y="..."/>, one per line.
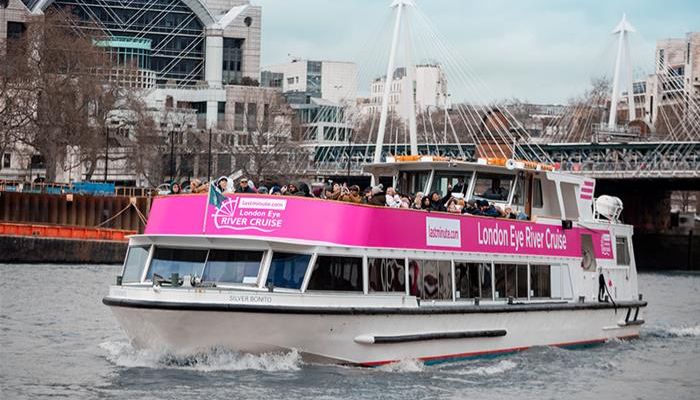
<point x="332" y="192"/>
<point x="417" y="201"/>
<point x="351" y="195"/>
<point x="243" y="186"/>
<point x="175" y="188"/>
<point x="289" y="190"/>
<point x="392" y="199"/>
<point x="437" y="203"/>
<point x="378" y="196"/>
<point x="222" y="184"/>
<point x="303" y="191"/>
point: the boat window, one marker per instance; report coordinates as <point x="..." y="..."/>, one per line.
<point x="387" y="275"/>
<point x="232" y="266"/>
<point x="540" y="283"/>
<point x="494" y="187"/>
<point x="337" y="273"/>
<point x="472" y="280"/>
<point x="434" y="279"/>
<point x="458" y="180"/>
<point x="588" y="261"/>
<point x="413" y="181"/>
<point x="622" y="250"/>
<point x="167" y="261"/>
<point x="537" y="201"/>
<point x="136" y="259"/>
<point x="511" y="281"/>
<point x="287" y="270"/>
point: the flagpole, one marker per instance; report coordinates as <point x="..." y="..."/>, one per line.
<point x="206" y="209"/>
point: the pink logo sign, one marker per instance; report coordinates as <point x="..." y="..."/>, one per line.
<point x="245" y="213"/>
<point x="605" y="245"/>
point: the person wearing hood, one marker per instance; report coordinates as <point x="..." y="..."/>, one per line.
<point x="378" y="196"/>
<point x="222" y="184"/>
<point x="175" y="188"/>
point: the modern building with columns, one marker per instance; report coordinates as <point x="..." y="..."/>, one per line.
<point x="197" y="47"/>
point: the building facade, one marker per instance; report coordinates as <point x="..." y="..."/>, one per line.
<point x="302" y="80"/>
<point x="428" y="85"/>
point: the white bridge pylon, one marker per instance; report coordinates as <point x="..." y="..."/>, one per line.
<point x="623" y="29"/>
<point x="401" y="7"/>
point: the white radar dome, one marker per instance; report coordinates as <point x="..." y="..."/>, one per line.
<point x="609" y="207"/>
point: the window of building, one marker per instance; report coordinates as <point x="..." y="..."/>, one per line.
<point x="493" y="186"/>
<point x="622" y="250"/>
<point x="287" y="270"/>
<point x="15" y="30"/>
<point x="337" y="273"/>
<point x="540" y="281"/>
<point x="232" y="61"/>
<point x="472" y="280"/>
<point x="510" y="281"/>
<point x="167" y="261"/>
<point x="387" y="275"/>
<point x="239" y="116"/>
<point x="430" y="279"/>
<point x="252" y="117"/>
<point x="232" y="266"/>
<point x="6" y="160"/>
<point x="290" y="81"/>
<point x="135" y="261"/>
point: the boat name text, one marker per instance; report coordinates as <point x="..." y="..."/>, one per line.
<point x="518" y="238"/>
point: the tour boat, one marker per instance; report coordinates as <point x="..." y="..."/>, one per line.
<point x="365" y="285"/>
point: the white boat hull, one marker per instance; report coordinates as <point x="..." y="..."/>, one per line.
<point x="354" y="339"/>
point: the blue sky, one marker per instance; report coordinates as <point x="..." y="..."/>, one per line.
<point x="537" y="50"/>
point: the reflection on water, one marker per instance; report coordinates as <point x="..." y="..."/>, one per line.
<point x="58" y="340"/>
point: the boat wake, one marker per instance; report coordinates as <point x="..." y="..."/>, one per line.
<point x="124" y="355"/>
<point x="676" y="332"/>
<point x="488" y="370"/>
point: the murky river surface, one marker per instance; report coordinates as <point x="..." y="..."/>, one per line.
<point x="58" y="340"/>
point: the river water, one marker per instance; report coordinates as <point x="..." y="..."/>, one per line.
<point x="58" y="340"/>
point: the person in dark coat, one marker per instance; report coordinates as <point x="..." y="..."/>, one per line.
<point x="243" y="187"/>
<point x="304" y="190"/>
<point x="378" y="196"/>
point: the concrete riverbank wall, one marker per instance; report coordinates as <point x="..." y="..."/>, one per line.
<point x="27" y="249"/>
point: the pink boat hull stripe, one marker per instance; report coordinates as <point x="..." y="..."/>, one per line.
<point x="345" y="224"/>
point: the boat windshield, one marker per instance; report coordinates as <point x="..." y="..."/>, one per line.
<point x="167" y="261"/>
<point x="229" y="266"/>
<point x="457" y="181"/>
<point x="494" y="187"/>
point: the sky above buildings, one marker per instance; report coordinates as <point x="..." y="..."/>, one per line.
<point x="543" y="51"/>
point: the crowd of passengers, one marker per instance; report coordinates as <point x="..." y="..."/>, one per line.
<point x="452" y="202"/>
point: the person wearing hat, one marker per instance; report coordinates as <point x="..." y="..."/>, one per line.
<point x="243" y="186"/>
<point x="222" y="184"/>
<point x="263" y="190"/>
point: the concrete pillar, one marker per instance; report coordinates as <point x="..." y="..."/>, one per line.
<point x="212" y="114"/>
<point x="214" y="55"/>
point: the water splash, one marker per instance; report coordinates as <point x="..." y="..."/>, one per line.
<point x="408" y="365"/>
<point x="488" y="370"/>
<point x="123" y="355"/>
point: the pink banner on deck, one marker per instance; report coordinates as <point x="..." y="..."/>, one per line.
<point x="332" y="222"/>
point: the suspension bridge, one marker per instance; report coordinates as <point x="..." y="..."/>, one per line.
<point x="607" y="134"/>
